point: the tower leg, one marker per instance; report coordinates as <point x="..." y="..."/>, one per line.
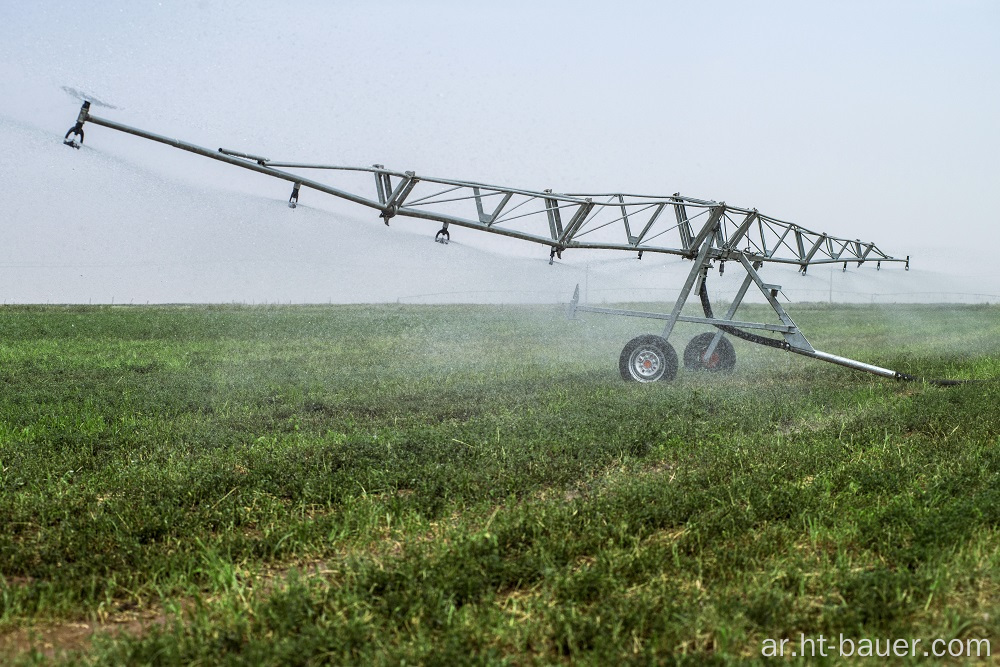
<point x="700" y="265"/>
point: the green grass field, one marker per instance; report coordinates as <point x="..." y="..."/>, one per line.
<point x="468" y="484"/>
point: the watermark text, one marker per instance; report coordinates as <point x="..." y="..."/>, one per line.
<point x="876" y="647"/>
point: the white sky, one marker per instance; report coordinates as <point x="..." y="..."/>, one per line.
<point x="867" y="119"/>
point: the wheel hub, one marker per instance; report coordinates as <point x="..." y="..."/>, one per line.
<point x="647" y="363"/>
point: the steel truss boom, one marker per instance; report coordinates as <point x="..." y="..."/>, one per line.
<point x="617" y="221"/>
<point x="704" y="231"/>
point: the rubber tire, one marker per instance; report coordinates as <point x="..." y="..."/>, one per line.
<point x="722" y="361"/>
<point x="660" y="358"/>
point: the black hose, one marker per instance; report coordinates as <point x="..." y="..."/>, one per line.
<point x="733" y="331"/>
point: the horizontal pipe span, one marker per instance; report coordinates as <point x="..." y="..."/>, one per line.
<point x="668" y="199"/>
<point x="714" y="321"/>
<point x="626" y="313"/>
<point x="779" y="328"/>
<point x="544" y="240"/>
<point x="221" y="157"/>
<point x="263" y="166"/>
<point x="333" y="167"/>
<point x="849" y="363"/>
<point x="584" y="245"/>
<point x="791" y="261"/>
<point x="462" y="222"/>
<point x="575" y="198"/>
<point x="578" y="198"/>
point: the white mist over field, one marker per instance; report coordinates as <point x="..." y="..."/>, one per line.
<point x="870" y="120"/>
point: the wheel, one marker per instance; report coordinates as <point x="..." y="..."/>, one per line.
<point x="648" y="359"/>
<point x="722" y="360"/>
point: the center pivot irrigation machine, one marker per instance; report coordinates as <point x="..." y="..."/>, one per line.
<point x="706" y="232"/>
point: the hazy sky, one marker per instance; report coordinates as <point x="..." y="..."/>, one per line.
<point x="867" y="119"/>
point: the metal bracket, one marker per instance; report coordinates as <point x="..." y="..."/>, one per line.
<point x="262" y="161"/>
<point x="395" y="200"/>
<point x="555" y="219"/>
<point x="489" y="218"/>
<point x="382" y="183"/>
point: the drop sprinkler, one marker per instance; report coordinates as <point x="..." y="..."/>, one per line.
<point x="703" y="231"/>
